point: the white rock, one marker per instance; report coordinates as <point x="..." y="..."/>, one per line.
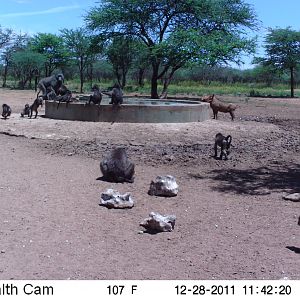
<point x="292" y="197"/>
<point x="159" y="223"/>
<point x="113" y="199"/>
<point x="163" y="186"/>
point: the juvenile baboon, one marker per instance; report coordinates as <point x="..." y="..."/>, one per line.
<point x="64" y="96"/>
<point x="96" y="97"/>
<point x="6" y="111"/>
<point x="34" y="107"/>
<point x="116" y="167"/>
<point x="216" y="106"/>
<point x="48" y="84"/>
<point x="25" y="111"/>
<point x="224" y="143"/>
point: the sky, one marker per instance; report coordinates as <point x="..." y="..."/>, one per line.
<point x="33" y="16"/>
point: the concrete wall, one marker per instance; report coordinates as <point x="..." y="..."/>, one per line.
<point x="130" y="113"/>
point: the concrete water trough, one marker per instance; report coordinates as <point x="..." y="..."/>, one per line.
<point x="133" y="110"/>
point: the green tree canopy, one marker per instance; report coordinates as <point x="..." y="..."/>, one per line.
<point x="282" y="51"/>
<point x="177" y="32"/>
<point x="80" y="50"/>
<point x="25" y="63"/>
<point x="53" y="47"/>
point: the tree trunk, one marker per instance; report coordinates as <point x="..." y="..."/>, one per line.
<point x="81" y="75"/>
<point x="164" y="92"/>
<point x="141" y="77"/>
<point x="167" y="81"/>
<point x="124" y="74"/>
<point x="5" y="75"/>
<point x="292" y="82"/>
<point x="154" y="79"/>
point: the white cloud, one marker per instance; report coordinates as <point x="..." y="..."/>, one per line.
<point x="54" y="10"/>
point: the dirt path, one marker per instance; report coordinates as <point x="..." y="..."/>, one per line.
<point x="231" y="220"/>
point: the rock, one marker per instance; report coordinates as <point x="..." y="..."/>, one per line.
<point x="163" y="186"/>
<point x="159" y="223"/>
<point x="113" y="199"/>
<point x="292" y="197"/>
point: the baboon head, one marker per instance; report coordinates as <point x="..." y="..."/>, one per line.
<point x="228" y="143"/>
<point x="60" y="78"/>
<point x="95" y="88"/>
<point x="209" y="98"/>
<point x="116" y="86"/>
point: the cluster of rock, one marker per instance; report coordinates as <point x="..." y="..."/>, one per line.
<point x="117" y="168"/>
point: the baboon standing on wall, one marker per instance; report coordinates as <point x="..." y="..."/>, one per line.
<point x="6" y="111"/>
<point x="50" y="84"/>
<point x="116" y="167"/>
<point x="224" y="143"/>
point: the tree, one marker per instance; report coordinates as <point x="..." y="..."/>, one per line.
<point x="52" y="46"/>
<point x="178" y="32"/>
<point x="25" y="63"/>
<point x="17" y="42"/>
<point x="79" y="45"/>
<point x="282" y="51"/>
<point x="5" y="36"/>
<point x="121" y="54"/>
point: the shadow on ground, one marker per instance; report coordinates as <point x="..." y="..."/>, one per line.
<point x="258" y="181"/>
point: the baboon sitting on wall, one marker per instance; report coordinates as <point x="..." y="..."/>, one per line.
<point x="96" y="97"/>
<point x="224" y="143"/>
<point x="25" y="111"/>
<point x="116" y="95"/>
<point x="6" y="111"/>
<point x="116" y="167"/>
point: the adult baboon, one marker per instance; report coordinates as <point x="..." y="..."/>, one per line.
<point x="34" y="107"/>
<point x="224" y="143"/>
<point x="116" y="95"/>
<point x="96" y="97"/>
<point x="25" y="111"/>
<point x="48" y="84"/>
<point x="116" y="167"/>
<point x="216" y="106"/>
<point x="6" y="111"/>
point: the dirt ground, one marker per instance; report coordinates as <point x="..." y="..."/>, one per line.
<point x="232" y="222"/>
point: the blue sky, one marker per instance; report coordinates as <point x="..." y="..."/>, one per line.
<point x="32" y="16"/>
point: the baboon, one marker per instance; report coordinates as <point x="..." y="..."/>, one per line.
<point x="116" y="95"/>
<point x="96" y="97"/>
<point x="48" y="84"/>
<point x="116" y="167"/>
<point x="224" y="143"/>
<point x="25" y="111"/>
<point x="6" y="111"/>
<point x="299" y="221"/>
<point x="64" y="95"/>
<point x="34" y="107"/>
<point x="216" y="106"/>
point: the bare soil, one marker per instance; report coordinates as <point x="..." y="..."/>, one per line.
<point x="232" y="222"/>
